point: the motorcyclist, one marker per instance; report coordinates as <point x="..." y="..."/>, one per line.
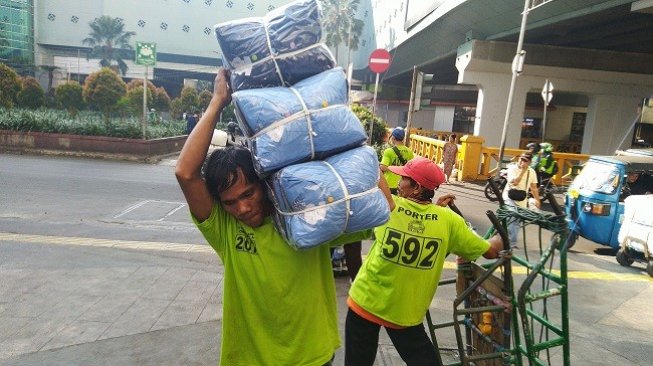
<point x="534" y="149"/>
<point x="547" y="167"/>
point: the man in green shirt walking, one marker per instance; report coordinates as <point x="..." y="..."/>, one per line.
<point x="397" y="154"/>
<point x="279" y="305"/>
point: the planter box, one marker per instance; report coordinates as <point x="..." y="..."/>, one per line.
<point x="96" y="146"/>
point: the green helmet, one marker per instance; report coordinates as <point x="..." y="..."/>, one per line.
<point x="546" y="147"/>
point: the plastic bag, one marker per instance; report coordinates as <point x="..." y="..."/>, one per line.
<point x="318" y="201"/>
<point x="280" y="49"/>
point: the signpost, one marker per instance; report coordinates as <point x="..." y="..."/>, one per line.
<point x="547" y="95"/>
<point x="146" y="56"/>
<point x="379" y="62"/>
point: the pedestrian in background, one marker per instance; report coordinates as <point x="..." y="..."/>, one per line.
<point x="396" y="155"/>
<point x="400" y="276"/>
<point x="191" y="121"/>
<point x="279" y="304"/>
<point x="520" y="177"/>
<point x="449" y="155"/>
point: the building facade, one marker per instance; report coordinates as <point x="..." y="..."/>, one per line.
<point x="17" y="32"/>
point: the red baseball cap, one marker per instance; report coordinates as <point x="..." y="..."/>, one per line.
<point x="422" y="170"/>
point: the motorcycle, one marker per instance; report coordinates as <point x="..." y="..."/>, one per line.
<point x="500" y="181"/>
<point x="546" y="185"/>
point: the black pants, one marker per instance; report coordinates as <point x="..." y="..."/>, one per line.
<point x="362" y="340"/>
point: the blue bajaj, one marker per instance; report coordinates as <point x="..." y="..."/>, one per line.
<point x="594" y="202"/>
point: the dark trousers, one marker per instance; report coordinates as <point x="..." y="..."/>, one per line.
<point x="362" y="340"/>
<point x="353" y="258"/>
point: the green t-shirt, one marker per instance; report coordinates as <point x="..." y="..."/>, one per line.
<point x="279" y="304"/>
<point x="401" y="272"/>
<point x="390" y="158"/>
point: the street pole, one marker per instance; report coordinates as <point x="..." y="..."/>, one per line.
<point x="546" y="106"/>
<point x="411" y="107"/>
<point x="517" y="65"/>
<point x="144" y="120"/>
<point x="376" y="89"/>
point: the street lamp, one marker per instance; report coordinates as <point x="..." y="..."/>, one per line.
<point x="517" y="68"/>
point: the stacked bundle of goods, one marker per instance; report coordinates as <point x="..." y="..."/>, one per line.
<point x="291" y="103"/>
<point x="279" y="49"/>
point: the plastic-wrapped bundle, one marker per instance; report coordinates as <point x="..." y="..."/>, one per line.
<point x="308" y="121"/>
<point x="318" y="201"/>
<point x="282" y="48"/>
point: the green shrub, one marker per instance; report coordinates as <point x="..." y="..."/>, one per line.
<point x="135" y="98"/>
<point x="204" y="99"/>
<point x="9" y="86"/>
<point x="69" y="97"/>
<point x="103" y="89"/>
<point x="364" y="114"/>
<point x="161" y="100"/>
<point x="31" y="95"/>
<point x="190" y="100"/>
<point x="85" y="123"/>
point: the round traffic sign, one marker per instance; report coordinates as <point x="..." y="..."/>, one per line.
<point x="379" y="60"/>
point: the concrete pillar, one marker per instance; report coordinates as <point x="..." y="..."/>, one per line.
<point x="609" y="113"/>
<point x="491" y="109"/>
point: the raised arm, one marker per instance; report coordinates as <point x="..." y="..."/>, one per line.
<point x="383" y="186"/>
<point x="189" y="164"/>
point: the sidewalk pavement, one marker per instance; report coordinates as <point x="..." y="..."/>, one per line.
<point x="85" y="301"/>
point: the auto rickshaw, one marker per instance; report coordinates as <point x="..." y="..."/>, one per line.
<point x="594" y="201"/>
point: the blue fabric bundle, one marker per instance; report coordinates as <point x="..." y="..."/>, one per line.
<point x="281" y="48"/>
<point x="318" y="201"/>
<point x="306" y="122"/>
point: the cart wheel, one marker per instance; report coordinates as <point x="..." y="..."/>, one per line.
<point x="624" y="260"/>
<point x="649" y="268"/>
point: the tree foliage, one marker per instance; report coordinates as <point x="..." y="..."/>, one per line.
<point x="204" y="99"/>
<point x="190" y="100"/>
<point x="31" y="95"/>
<point x="135" y="98"/>
<point x="10" y="85"/>
<point x="103" y="89"/>
<point x="109" y="42"/>
<point x="69" y="97"/>
<point x="161" y="100"/>
<point x="341" y="24"/>
<point x="365" y="115"/>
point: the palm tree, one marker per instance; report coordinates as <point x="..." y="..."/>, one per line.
<point x="341" y="25"/>
<point x="109" y="42"/>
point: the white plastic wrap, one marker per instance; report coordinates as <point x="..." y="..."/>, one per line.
<point x="318" y="201"/>
<point x="282" y="48"/>
<point x="308" y="121"/>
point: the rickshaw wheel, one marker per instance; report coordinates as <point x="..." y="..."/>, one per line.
<point x="624" y="260"/>
<point x="649" y="268"/>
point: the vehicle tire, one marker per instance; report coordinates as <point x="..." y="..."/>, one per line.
<point x="573" y="237"/>
<point x="489" y="193"/>
<point x="623" y="258"/>
<point x="649" y="268"/>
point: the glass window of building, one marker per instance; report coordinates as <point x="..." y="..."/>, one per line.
<point x="17" y="33"/>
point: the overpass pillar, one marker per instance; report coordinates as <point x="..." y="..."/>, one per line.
<point x="491" y="109"/>
<point x="609" y="113"/>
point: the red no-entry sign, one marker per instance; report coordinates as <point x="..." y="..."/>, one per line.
<point x="379" y="60"/>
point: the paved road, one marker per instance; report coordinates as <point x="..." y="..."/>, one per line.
<point x="101" y="265"/>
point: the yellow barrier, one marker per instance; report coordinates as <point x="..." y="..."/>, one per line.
<point x="477" y="162"/>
